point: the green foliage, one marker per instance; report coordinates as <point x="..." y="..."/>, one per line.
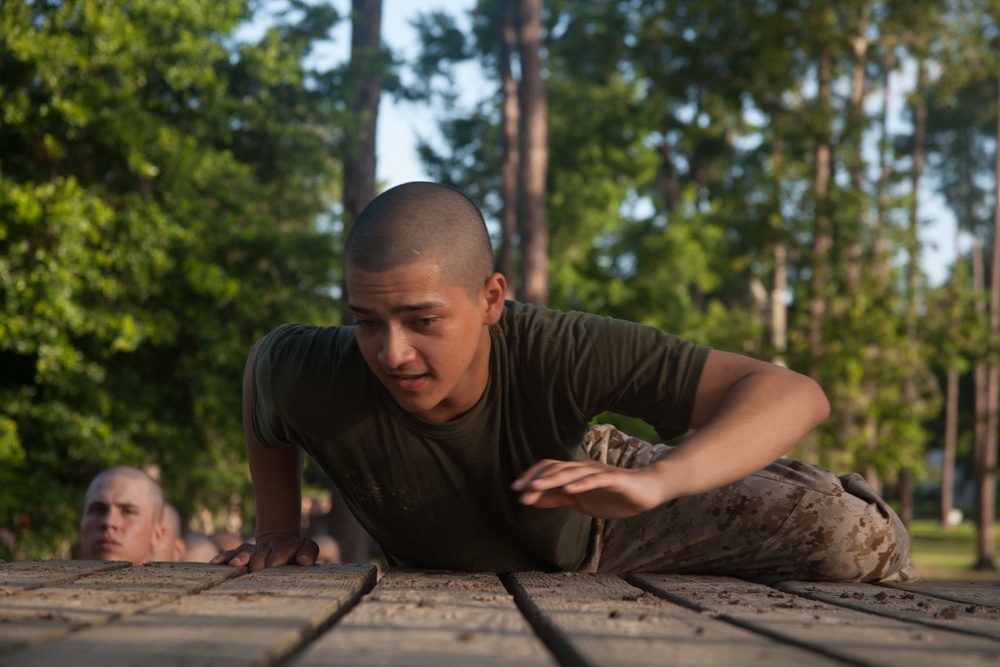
<point x="165" y="197"/>
<point x="160" y="202"/>
<point x="684" y="143"/>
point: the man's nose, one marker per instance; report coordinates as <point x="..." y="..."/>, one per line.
<point x="396" y="349"/>
<point x="111" y="518"/>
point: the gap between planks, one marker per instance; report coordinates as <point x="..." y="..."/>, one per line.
<point x="249" y="619"/>
<point x="601" y="620"/>
<point x="859" y="637"/>
<point x="431" y="619"/>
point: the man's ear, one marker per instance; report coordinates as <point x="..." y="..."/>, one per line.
<point x="493" y="294"/>
<point x="159" y="530"/>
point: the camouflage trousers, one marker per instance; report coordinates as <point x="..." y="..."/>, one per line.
<point x="790" y="520"/>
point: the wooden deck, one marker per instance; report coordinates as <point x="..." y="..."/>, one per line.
<point x="84" y="613"/>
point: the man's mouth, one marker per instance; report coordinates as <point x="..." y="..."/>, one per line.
<point x="108" y="544"/>
<point x="408" y="382"/>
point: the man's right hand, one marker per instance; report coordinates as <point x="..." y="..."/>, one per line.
<point x="271" y="552"/>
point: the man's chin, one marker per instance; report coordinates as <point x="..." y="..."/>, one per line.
<point x="107" y="553"/>
<point x="410" y="401"/>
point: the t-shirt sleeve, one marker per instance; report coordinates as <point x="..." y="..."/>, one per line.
<point x="636" y="370"/>
<point x="268" y="384"/>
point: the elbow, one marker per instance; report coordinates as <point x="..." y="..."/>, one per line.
<point x="816" y="400"/>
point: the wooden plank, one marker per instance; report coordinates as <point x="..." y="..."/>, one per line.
<point x="28" y="574"/>
<point x="431" y="619"/>
<point x="986" y="593"/>
<point x="603" y="621"/>
<point x="251" y="620"/>
<point x="42" y="614"/>
<point x="974" y="619"/>
<point x="851" y="635"/>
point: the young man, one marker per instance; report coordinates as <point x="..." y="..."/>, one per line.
<point x="456" y="426"/>
<point x="122" y="516"/>
<point x="172" y="546"/>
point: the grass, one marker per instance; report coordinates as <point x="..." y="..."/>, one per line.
<point x="949" y="554"/>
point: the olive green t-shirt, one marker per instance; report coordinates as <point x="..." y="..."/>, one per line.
<point x="437" y="495"/>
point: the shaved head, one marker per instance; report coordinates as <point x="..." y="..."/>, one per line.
<point x="427" y="223"/>
<point x="144" y="481"/>
<point x="122" y="516"/>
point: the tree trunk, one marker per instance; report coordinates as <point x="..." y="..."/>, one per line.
<point x="364" y="95"/>
<point x="985" y="477"/>
<point x="851" y="417"/>
<point x="356" y="546"/>
<point x="859" y="44"/>
<point x="881" y="269"/>
<point x="534" y="158"/>
<point x="950" y="448"/>
<point x="988" y="465"/>
<point x="822" y="237"/>
<point x="913" y="267"/>
<point x="511" y="154"/>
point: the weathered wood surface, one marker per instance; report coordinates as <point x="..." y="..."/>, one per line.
<point x="250" y="620"/>
<point x="985" y="593"/>
<point x="856" y="636"/>
<point x="112" y="614"/>
<point x="431" y="619"/>
<point x="28" y="574"/>
<point x="906" y="605"/>
<point x="77" y="600"/>
<point x="602" y="620"/>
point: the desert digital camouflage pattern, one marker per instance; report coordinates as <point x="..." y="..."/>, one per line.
<point x="791" y="520"/>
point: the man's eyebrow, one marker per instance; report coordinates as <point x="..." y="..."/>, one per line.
<point x="396" y="310"/>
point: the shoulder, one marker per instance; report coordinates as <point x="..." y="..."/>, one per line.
<point x="524" y="319"/>
<point x="576" y="339"/>
<point x="295" y="348"/>
<point x="529" y="323"/>
<point x="299" y="338"/>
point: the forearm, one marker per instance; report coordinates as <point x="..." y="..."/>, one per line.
<point x="276" y="473"/>
<point x="756" y="420"/>
<point x="277" y="488"/>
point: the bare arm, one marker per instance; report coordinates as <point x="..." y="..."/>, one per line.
<point x="277" y="490"/>
<point x="747" y="413"/>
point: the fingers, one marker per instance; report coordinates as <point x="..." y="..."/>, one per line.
<point x="270" y="554"/>
<point x="237" y="557"/>
<point x="566" y="476"/>
<point x="308" y="554"/>
<point x="590" y="487"/>
<point x="550" y="484"/>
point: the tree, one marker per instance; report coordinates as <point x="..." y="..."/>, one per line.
<point x="987" y="503"/>
<point x="702" y="150"/>
<point x="363" y="88"/>
<point x="532" y="218"/>
<point x="160" y="197"/>
<point x="510" y="157"/>
<point x="963" y="119"/>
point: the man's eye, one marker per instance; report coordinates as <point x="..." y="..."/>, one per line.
<point x="426" y="321"/>
<point x="366" y="324"/>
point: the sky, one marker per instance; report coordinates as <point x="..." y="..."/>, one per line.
<point x="401" y="124"/>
